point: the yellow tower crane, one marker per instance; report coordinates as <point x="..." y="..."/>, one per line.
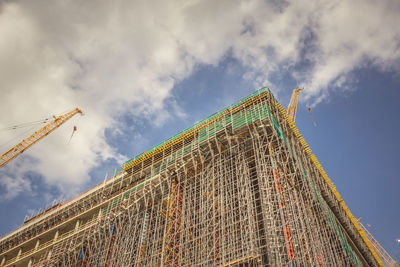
<point x="36" y="136"/>
<point x="292" y="108"/>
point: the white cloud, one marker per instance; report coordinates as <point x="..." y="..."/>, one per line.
<point x="112" y="58"/>
<point x="350" y="35"/>
<point x="15" y="180"/>
<point x="14" y="186"/>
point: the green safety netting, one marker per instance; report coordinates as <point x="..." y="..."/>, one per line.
<point x="238" y="119"/>
<point x="327" y="212"/>
<point x="201" y="123"/>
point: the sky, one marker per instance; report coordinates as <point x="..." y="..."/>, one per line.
<point x="144" y="70"/>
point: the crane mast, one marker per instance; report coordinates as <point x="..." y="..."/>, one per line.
<point x="292" y="108"/>
<point x="36" y="136"/>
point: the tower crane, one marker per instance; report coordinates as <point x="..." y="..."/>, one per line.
<point x="292" y="108"/>
<point x="36" y="136"/>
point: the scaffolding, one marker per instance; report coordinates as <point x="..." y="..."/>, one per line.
<point x="240" y="188"/>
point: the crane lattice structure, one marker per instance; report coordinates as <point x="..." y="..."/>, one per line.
<point x="292" y="107"/>
<point x="36" y="137"/>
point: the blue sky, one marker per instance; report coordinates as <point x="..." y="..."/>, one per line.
<point x="143" y="72"/>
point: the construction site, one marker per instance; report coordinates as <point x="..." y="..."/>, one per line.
<point x="239" y="188"/>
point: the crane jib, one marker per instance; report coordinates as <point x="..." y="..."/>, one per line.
<point x="19" y="148"/>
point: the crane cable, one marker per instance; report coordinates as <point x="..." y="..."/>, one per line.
<point x="19" y="136"/>
<point x="26" y="124"/>
<point x="31" y="123"/>
<point x="31" y="126"/>
<point x="73" y="131"/>
<point x="312" y="117"/>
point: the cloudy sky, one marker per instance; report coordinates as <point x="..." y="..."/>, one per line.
<point x="144" y="70"/>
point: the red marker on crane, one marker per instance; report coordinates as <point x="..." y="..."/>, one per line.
<point x="73" y="131"/>
<point x="312" y="117"/>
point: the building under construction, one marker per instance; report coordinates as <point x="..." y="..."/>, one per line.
<point x="240" y="188"/>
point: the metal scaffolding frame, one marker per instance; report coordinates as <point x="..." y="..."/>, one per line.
<point x="240" y="188"/>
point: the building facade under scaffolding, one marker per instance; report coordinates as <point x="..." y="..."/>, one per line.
<point x="240" y="188"/>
